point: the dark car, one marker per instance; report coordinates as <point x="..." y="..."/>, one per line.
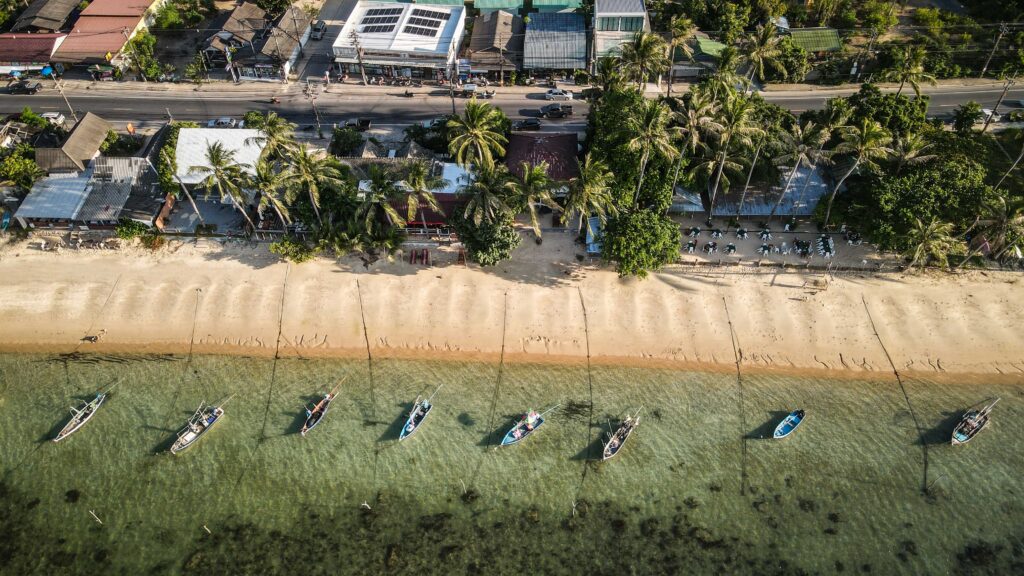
<point x="24" y="87"/>
<point x="528" y="124"/>
<point x="556" y="111"/>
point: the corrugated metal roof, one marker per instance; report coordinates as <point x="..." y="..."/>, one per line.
<point x="45" y="14"/>
<point x="619" y="7"/>
<point x="555" y="41"/>
<point x="55" y="198"/>
<point x="113" y="181"/>
<point x="498" y="4"/>
<point x="80" y="147"/>
<point x="816" y="39"/>
<point x="27" y="47"/>
<point x="193" y="142"/>
<point x="117" y="8"/>
<point x="556" y="4"/>
<point x="92" y="38"/>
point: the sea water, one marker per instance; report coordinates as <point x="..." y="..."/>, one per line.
<point x="867" y="485"/>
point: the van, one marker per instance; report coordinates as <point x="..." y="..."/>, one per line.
<point x="318" y="30"/>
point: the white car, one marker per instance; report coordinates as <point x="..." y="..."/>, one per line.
<point x="224" y="122"/>
<point x="558" y="94"/>
<point x="986" y="113"/>
<point x="55" y="118"/>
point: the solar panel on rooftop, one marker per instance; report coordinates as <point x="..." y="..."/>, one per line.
<point x="383" y="11"/>
<point x="419" y="31"/>
<point x="431" y="14"/>
<point x="378" y="29"/>
<point x="425" y="22"/>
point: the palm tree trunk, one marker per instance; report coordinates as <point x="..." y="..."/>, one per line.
<point x="242" y="210"/>
<point x="671" y="65"/>
<point x="1012" y="167"/>
<point x="675" y="177"/>
<point x="828" y="211"/>
<point x="190" y="200"/>
<point x="902" y="82"/>
<point x="316" y="209"/>
<point x="718" y="180"/>
<point x="967" y="258"/>
<point x="640" y="182"/>
<point x="789" y="181"/>
<point x="750" y="174"/>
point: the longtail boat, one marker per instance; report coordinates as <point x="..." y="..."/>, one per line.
<point x="316" y="414"/>
<point x="972" y="423"/>
<point x="198" y="425"/>
<point x="524" y="427"/>
<point x="619" y="437"/>
<point x="81" y="415"/>
<point x="420" y="410"/>
<point x="789" y="424"/>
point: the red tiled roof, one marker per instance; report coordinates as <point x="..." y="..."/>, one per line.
<point x="117" y="8"/>
<point x="27" y="47"/>
<point x="558" y="150"/>
<point x="93" y="37"/>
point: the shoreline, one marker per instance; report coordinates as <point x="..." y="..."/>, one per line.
<point x="543" y="307"/>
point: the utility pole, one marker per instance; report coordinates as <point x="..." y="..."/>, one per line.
<point x="127" y="43"/>
<point x="60" y="89"/>
<point x="995" y="109"/>
<point x="867" y="53"/>
<point x="359" y="56"/>
<point x="453" y="73"/>
<point x="1003" y="29"/>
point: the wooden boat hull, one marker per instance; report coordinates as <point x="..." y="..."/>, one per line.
<point x="510" y="439"/>
<point x="789" y="424"/>
<point x="188" y="437"/>
<point x="316" y="415"/>
<point x="610" y="452"/>
<point x="74" y="426"/>
<point x="406" y="431"/>
<point x="961" y="437"/>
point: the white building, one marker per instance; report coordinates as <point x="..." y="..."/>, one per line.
<point x="616" y="22"/>
<point x="389" y="39"/>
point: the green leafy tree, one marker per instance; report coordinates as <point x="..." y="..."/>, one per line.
<point x="909" y="68"/>
<point x="276" y="136"/>
<point x="801" y="147"/>
<point x="643" y="57"/>
<point x="223" y="174"/>
<point x="680" y="30"/>
<point x="609" y="73"/>
<point x="736" y="120"/>
<point x="639" y="241"/>
<point x="931" y="242"/>
<point x="313" y="174"/>
<point x="590" y="193"/>
<point x="18" y="168"/>
<point x="294" y="250"/>
<point x="793" y="60"/>
<point x="378" y="199"/>
<point x="900" y="115"/>
<point x="966" y="116"/>
<point x="477" y="135"/>
<point x="487" y="195"/>
<point x="487" y="242"/>
<point x="345" y="141"/>
<point x="865" y="144"/>
<point x="532" y="188"/>
<point x="275" y="189"/>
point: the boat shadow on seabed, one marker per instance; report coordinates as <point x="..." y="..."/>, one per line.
<point x="767" y="429"/>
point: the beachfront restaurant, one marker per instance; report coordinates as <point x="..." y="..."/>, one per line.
<point x="410" y="40"/>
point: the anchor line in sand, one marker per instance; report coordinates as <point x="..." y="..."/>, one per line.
<point x="92" y="323"/>
<point x="369" y="355"/>
<point x="188" y="358"/>
<point x="277" y="355"/>
<point x="590" y="388"/>
<point x="906" y="398"/>
<point x="497" y="389"/>
<point x="736" y="352"/>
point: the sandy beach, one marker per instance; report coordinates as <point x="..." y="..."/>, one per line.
<point x="542" y="306"/>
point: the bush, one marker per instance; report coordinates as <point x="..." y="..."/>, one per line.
<point x="294" y="250"/>
<point x="639" y="241"/>
<point x="486" y="244"/>
<point x="168" y="16"/>
<point x="165" y="165"/>
<point x="128" y="229"/>
<point x="18" y="166"/>
<point x="344" y="141"/>
<point x="32" y="119"/>
<point x="120" y="144"/>
<point x="966" y="116"/>
<point x="581" y="78"/>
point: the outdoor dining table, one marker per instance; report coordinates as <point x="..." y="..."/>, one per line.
<point x="730" y="248"/>
<point x="716" y="233"/>
<point x="766" y="234"/>
<point x="693" y="232"/>
<point x="691" y="246"/>
<point x="764" y="249"/>
<point x="741" y="233"/>
<point x="711" y="247"/>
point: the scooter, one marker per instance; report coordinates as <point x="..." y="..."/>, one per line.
<point x="406" y="94"/>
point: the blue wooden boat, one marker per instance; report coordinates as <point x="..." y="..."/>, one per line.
<point x="198" y="425"/>
<point x="974" y="421"/>
<point x="789" y="424"/>
<point x="316" y="414"/>
<point x="420" y="410"/>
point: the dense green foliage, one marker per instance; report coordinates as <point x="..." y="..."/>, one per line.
<point x="129" y="229"/>
<point x="140" y="50"/>
<point x="34" y="120"/>
<point x="294" y="250"/>
<point x="18" y="165"/>
<point x="641" y="240"/>
<point x="345" y="141"/>
<point x="487" y="243"/>
<point x="120" y="144"/>
<point x="966" y="116"/>
<point x="166" y="166"/>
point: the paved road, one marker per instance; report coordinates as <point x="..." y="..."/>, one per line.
<point x="387" y="106"/>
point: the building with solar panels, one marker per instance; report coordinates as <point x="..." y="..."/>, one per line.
<point x="390" y="39"/>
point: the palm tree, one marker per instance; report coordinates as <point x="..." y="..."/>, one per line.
<point x="865" y="144"/>
<point x="1000" y="224"/>
<point x="696" y="119"/>
<point x="420" y="185"/>
<point x="1012" y="166"/>
<point x="644" y="56"/>
<point x="608" y="74"/>
<point x="223" y="174"/>
<point x="276" y="136"/>
<point x="932" y="241"/>
<point x="379" y="198"/>
<point x="909" y="68"/>
<point x="313" y="173"/>
<point x="590" y="193"/>
<point x="476" y="135"/>
<point x="763" y="52"/>
<point x="802" y="147"/>
<point x="533" y="187"/>
<point x="680" y="30"/>
<point x="487" y="194"/>
<point x="737" y="128"/>
<point x="275" y="189"/>
<point x="167" y="156"/>
<point x="651" y="135"/>
<point x="909" y="150"/>
<point x="727" y="78"/>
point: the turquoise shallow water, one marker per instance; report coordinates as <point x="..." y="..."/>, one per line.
<point x="697" y="490"/>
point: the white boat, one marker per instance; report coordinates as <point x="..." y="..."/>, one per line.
<point x="81" y="415"/>
<point x="199" y="424"/>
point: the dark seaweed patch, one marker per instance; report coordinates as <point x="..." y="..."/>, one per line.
<point x="72" y="496"/>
